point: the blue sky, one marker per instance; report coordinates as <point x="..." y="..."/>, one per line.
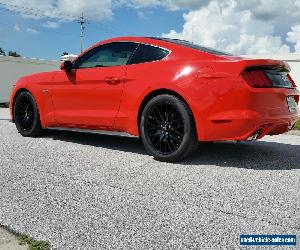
<point x="44" y="29"/>
<point x="18" y="33"/>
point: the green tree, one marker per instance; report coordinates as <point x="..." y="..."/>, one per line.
<point x="13" y="53"/>
<point x="2" y="52"/>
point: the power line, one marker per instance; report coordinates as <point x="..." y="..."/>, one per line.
<point x="35" y="12"/>
<point x="38" y="13"/>
<point x="60" y="15"/>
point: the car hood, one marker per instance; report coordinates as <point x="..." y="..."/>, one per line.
<point x="37" y="77"/>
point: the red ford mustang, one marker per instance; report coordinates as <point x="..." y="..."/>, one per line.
<point x="171" y="93"/>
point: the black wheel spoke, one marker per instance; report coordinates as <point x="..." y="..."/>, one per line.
<point x="169" y="112"/>
<point x="153" y="129"/>
<point x="169" y="146"/>
<point x="178" y="126"/>
<point x="177" y="133"/>
<point x="155" y="134"/>
<point x="161" y="118"/>
<point x="23" y="121"/>
<point x="175" y="138"/>
<point x="156" y="142"/>
<point x="173" y="144"/>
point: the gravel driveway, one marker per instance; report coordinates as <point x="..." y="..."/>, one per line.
<point x="82" y="191"/>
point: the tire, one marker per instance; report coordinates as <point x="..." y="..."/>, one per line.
<point x="167" y="129"/>
<point x="26" y="115"/>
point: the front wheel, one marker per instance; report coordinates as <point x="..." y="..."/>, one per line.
<point x="26" y="115"/>
<point x="168" y="129"/>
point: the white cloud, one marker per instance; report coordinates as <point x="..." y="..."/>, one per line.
<point x="138" y="3"/>
<point x="252" y="26"/>
<point x="51" y="25"/>
<point x="32" y="31"/>
<point x="231" y="26"/>
<point x="61" y="9"/>
<point x="94" y="9"/>
<point x="188" y="4"/>
<point x="294" y="37"/>
<point x="169" y="4"/>
<point x="141" y="14"/>
<point x="17" y="27"/>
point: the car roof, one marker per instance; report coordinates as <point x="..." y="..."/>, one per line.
<point x="138" y="39"/>
<point x="169" y="44"/>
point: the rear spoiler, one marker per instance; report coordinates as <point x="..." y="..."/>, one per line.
<point x="237" y="65"/>
<point x="265" y="64"/>
<point x="227" y="66"/>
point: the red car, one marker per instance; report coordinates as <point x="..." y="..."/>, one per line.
<point x="171" y="93"/>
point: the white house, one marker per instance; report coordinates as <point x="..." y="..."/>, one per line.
<point x="12" y="68"/>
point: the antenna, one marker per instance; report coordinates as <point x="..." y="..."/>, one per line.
<point x="82" y="21"/>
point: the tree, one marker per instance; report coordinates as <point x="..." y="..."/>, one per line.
<point x="2" y="52"/>
<point x="13" y="53"/>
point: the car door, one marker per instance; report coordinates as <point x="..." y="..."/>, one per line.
<point x="89" y="95"/>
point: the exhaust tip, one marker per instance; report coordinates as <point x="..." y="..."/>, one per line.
<point x="255" y="135"/>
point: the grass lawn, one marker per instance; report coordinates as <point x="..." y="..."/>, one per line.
<point x="297" y="125"/>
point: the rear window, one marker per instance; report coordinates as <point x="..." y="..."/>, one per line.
<point x="148" y="53"/>
<point x="194" y="46"/>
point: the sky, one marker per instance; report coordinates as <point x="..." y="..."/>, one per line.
<point x="44" y="29"/>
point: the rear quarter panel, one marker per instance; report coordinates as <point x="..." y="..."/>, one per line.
<point x="188" y="78"/>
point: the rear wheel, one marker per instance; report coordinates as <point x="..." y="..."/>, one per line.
<point x="167" y="129"/>
<point x="26" y="115"/>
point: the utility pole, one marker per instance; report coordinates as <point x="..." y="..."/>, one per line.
<point x="82" y="21"/>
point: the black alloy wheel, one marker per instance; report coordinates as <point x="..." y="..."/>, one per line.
<point x="167" y="128"/>
<point x="26" y="115"/>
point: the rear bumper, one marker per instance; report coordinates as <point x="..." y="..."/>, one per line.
<point x="243" y="128"/>
<point x="261" y="111"/>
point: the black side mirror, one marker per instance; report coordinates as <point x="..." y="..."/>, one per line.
<point x="66" y="66"/>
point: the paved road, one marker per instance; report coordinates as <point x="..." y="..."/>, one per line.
<point x="82" y="191"/>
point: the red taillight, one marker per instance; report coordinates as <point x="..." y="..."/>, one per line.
<point x="291" y="80"/>
<point x="257" y="78"/>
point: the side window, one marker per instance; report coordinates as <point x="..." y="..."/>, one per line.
<point x="148" y="53"/>
<point x="107" y="55"/>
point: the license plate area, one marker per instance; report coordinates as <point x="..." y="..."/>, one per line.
<point x="292" y="105"/>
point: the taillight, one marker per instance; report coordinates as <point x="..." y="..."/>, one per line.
<point x="291" y="80"/>
<point x="257" y="78"/>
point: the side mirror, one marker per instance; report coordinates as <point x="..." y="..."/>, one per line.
<point x="66" y="66"/>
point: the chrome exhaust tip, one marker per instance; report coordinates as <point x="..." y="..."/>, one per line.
<point x="254" y="136"/>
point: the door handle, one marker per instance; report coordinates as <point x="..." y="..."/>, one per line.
<point x="112" y="80"/>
